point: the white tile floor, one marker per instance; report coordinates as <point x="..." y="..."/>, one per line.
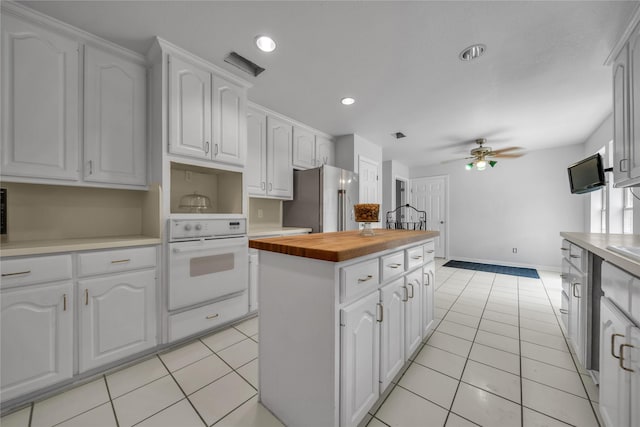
<point x="497" y="357"/>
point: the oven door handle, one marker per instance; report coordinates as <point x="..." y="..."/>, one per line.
<point x="200" y="249"/>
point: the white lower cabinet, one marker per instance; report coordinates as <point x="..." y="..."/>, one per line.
<point x="619" y="367"/>
<point x="392" y="358"/>
<point x="359" y="359"/>
<point x="36" y="348"/>
<point x="413" y="312"/>
<point x="117" y="317"/>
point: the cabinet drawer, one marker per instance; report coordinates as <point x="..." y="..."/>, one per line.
<point x="116" y="260"/>
<point x="27" y="271"/>
<point x="415" y="257"/>
<point x="358" y="279"/>
<point x="429" y="251"/>
<point x="199" y="319"/>
<point x="578" y="257"/>
<point x="392" y="265"/>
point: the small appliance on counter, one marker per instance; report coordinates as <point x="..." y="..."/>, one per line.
<point x="322" y="200"/>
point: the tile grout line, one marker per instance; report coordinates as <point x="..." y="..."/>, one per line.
<point x="113" y="408"/>
<point x="520" y="355"/>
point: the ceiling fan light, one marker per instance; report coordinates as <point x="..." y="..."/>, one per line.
<point x="468" y="166"/>
<point x="481" y="165"/>
<point x="492" y="163"/>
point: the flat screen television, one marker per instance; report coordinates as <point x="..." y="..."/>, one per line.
<point x="586" y="175"/>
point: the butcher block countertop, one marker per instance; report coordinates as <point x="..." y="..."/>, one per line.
<point x="341" y="245"/>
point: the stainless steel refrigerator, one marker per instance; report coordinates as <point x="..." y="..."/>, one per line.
<point x="323" y="200"/>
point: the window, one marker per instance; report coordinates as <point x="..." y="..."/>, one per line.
<point x="627" y="211"/>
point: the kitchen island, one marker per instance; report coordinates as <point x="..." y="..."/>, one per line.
<point x="340" y="315"/>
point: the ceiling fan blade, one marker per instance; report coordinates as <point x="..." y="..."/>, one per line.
<point x="456" y="160"/>
<point x="504" y="150"/>
<point x="505" y="156"/>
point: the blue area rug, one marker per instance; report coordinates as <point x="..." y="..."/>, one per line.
<point x="493" y="268"/>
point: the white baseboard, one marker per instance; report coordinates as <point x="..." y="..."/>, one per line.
<point x="554" y="269"/>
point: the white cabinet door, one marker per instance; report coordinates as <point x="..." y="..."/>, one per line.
<point x="279" y="169"/>
<point x="413" y="313"/>
<point x="620" y="117"/>
<point x="256" y="170"/>
<point x="304" y="148"/>
<point x="325" y="151"/>
<point x="189" y="109"/>
<point x="632" y="355"/>
<point x="36" y="336"/>
<point x="392" y="331"/>
<point x="117" y="317"/>
<point x="114" y="119"/>
<point x="614" y="382"/>
<point x="229" y="125"/>
<point x="428" y="285"/>
<point x="576" y="313"/>
<point x="40" y="90"/>
<point x="359" y="359"/>
<point x="634" y="104"/>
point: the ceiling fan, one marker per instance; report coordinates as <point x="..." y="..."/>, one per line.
<point x="483" y="156"/>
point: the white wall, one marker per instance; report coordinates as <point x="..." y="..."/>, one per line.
<point x="521" y="203"/>
<point x="349" y="148"/>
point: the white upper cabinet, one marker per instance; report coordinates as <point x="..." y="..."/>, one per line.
<point x="207" y="113"/>
<point x="256" y="170"/>
<point x="189" y="109"/>
<point x="279" y="169"/>
<point x="40" y="89"/>
<point x="626" y="112"/>
<point x="325" y="151"/>
<point x="115" y="119"/>
<point x="304" y="148"/>
<point x="229" y="123"/>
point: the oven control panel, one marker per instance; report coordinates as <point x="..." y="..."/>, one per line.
<point x="180" y="229"/>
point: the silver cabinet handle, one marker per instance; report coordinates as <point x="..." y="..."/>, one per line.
<point x="430" y="251"/>
<point x="621" y="351"/>
<point x="64" y="302"/>
<point x="396" y="265"/>
<point x="564" y="276"/>
<point x="416" y="257"/>
<point x="573" y="289"/>
<point x="90" y="167"/>
<point x="410" y="284"/>
<point x="564" y="249"/>
<point x="563" y="311"/>
<point x="380" y="310"/>
<point x="262" y="185"/>
<point x="16" y="273"/>
<point x="271" y="186"/>
<point x="620" y="164"/>
<point x="406" y="294"/>
<point x="215" y="149"/>
<point x="428" y="279"/>
<point x="120" y="261"/>
<point x="86" y="297"/>
<point x="613" y="344"/>
<point x="212" y="316"/>
<point x="206" y="147"/>
<point x="369" y="277"/>
<point x="574" y="256"/>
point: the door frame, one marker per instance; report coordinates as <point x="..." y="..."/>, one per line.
<point x="447" y="229"/>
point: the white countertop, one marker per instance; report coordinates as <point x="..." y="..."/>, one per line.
<point x="38" y="247"/>
<point x="275" y="230"/>
<point x="597" y="244"/>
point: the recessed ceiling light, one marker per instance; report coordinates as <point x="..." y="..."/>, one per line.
<point x="347" y="101"/>
<point x="472" y="52"/>
<point x="265" y="43"/>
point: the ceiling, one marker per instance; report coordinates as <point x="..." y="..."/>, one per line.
<point x="541" y="83"/>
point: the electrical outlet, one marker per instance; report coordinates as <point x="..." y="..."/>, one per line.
<point x="260" y="213"/>
<point x="515" y="250"/>
<point x="187" y="176"/>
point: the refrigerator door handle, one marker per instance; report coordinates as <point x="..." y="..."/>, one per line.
<point x="342" y="209"/>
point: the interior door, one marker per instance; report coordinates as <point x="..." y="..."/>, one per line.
<point x="368" y="174"/>
<point x="430" y="195"/>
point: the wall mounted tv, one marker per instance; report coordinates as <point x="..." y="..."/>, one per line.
<point x="586" y="175"/>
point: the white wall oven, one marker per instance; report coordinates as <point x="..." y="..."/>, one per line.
<point x="208" y="263"/>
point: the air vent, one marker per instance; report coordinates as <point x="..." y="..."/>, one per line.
<point x="398" y="135"/>
<point x="244" y="64"/>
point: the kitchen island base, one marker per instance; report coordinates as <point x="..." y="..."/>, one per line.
<point x="334" y="334"/>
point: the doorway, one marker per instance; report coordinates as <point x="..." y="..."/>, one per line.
<point x="400" y="195"/>
<point x="431" y="195"/>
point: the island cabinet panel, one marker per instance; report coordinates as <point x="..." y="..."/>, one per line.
<point x="344" y="327"/>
